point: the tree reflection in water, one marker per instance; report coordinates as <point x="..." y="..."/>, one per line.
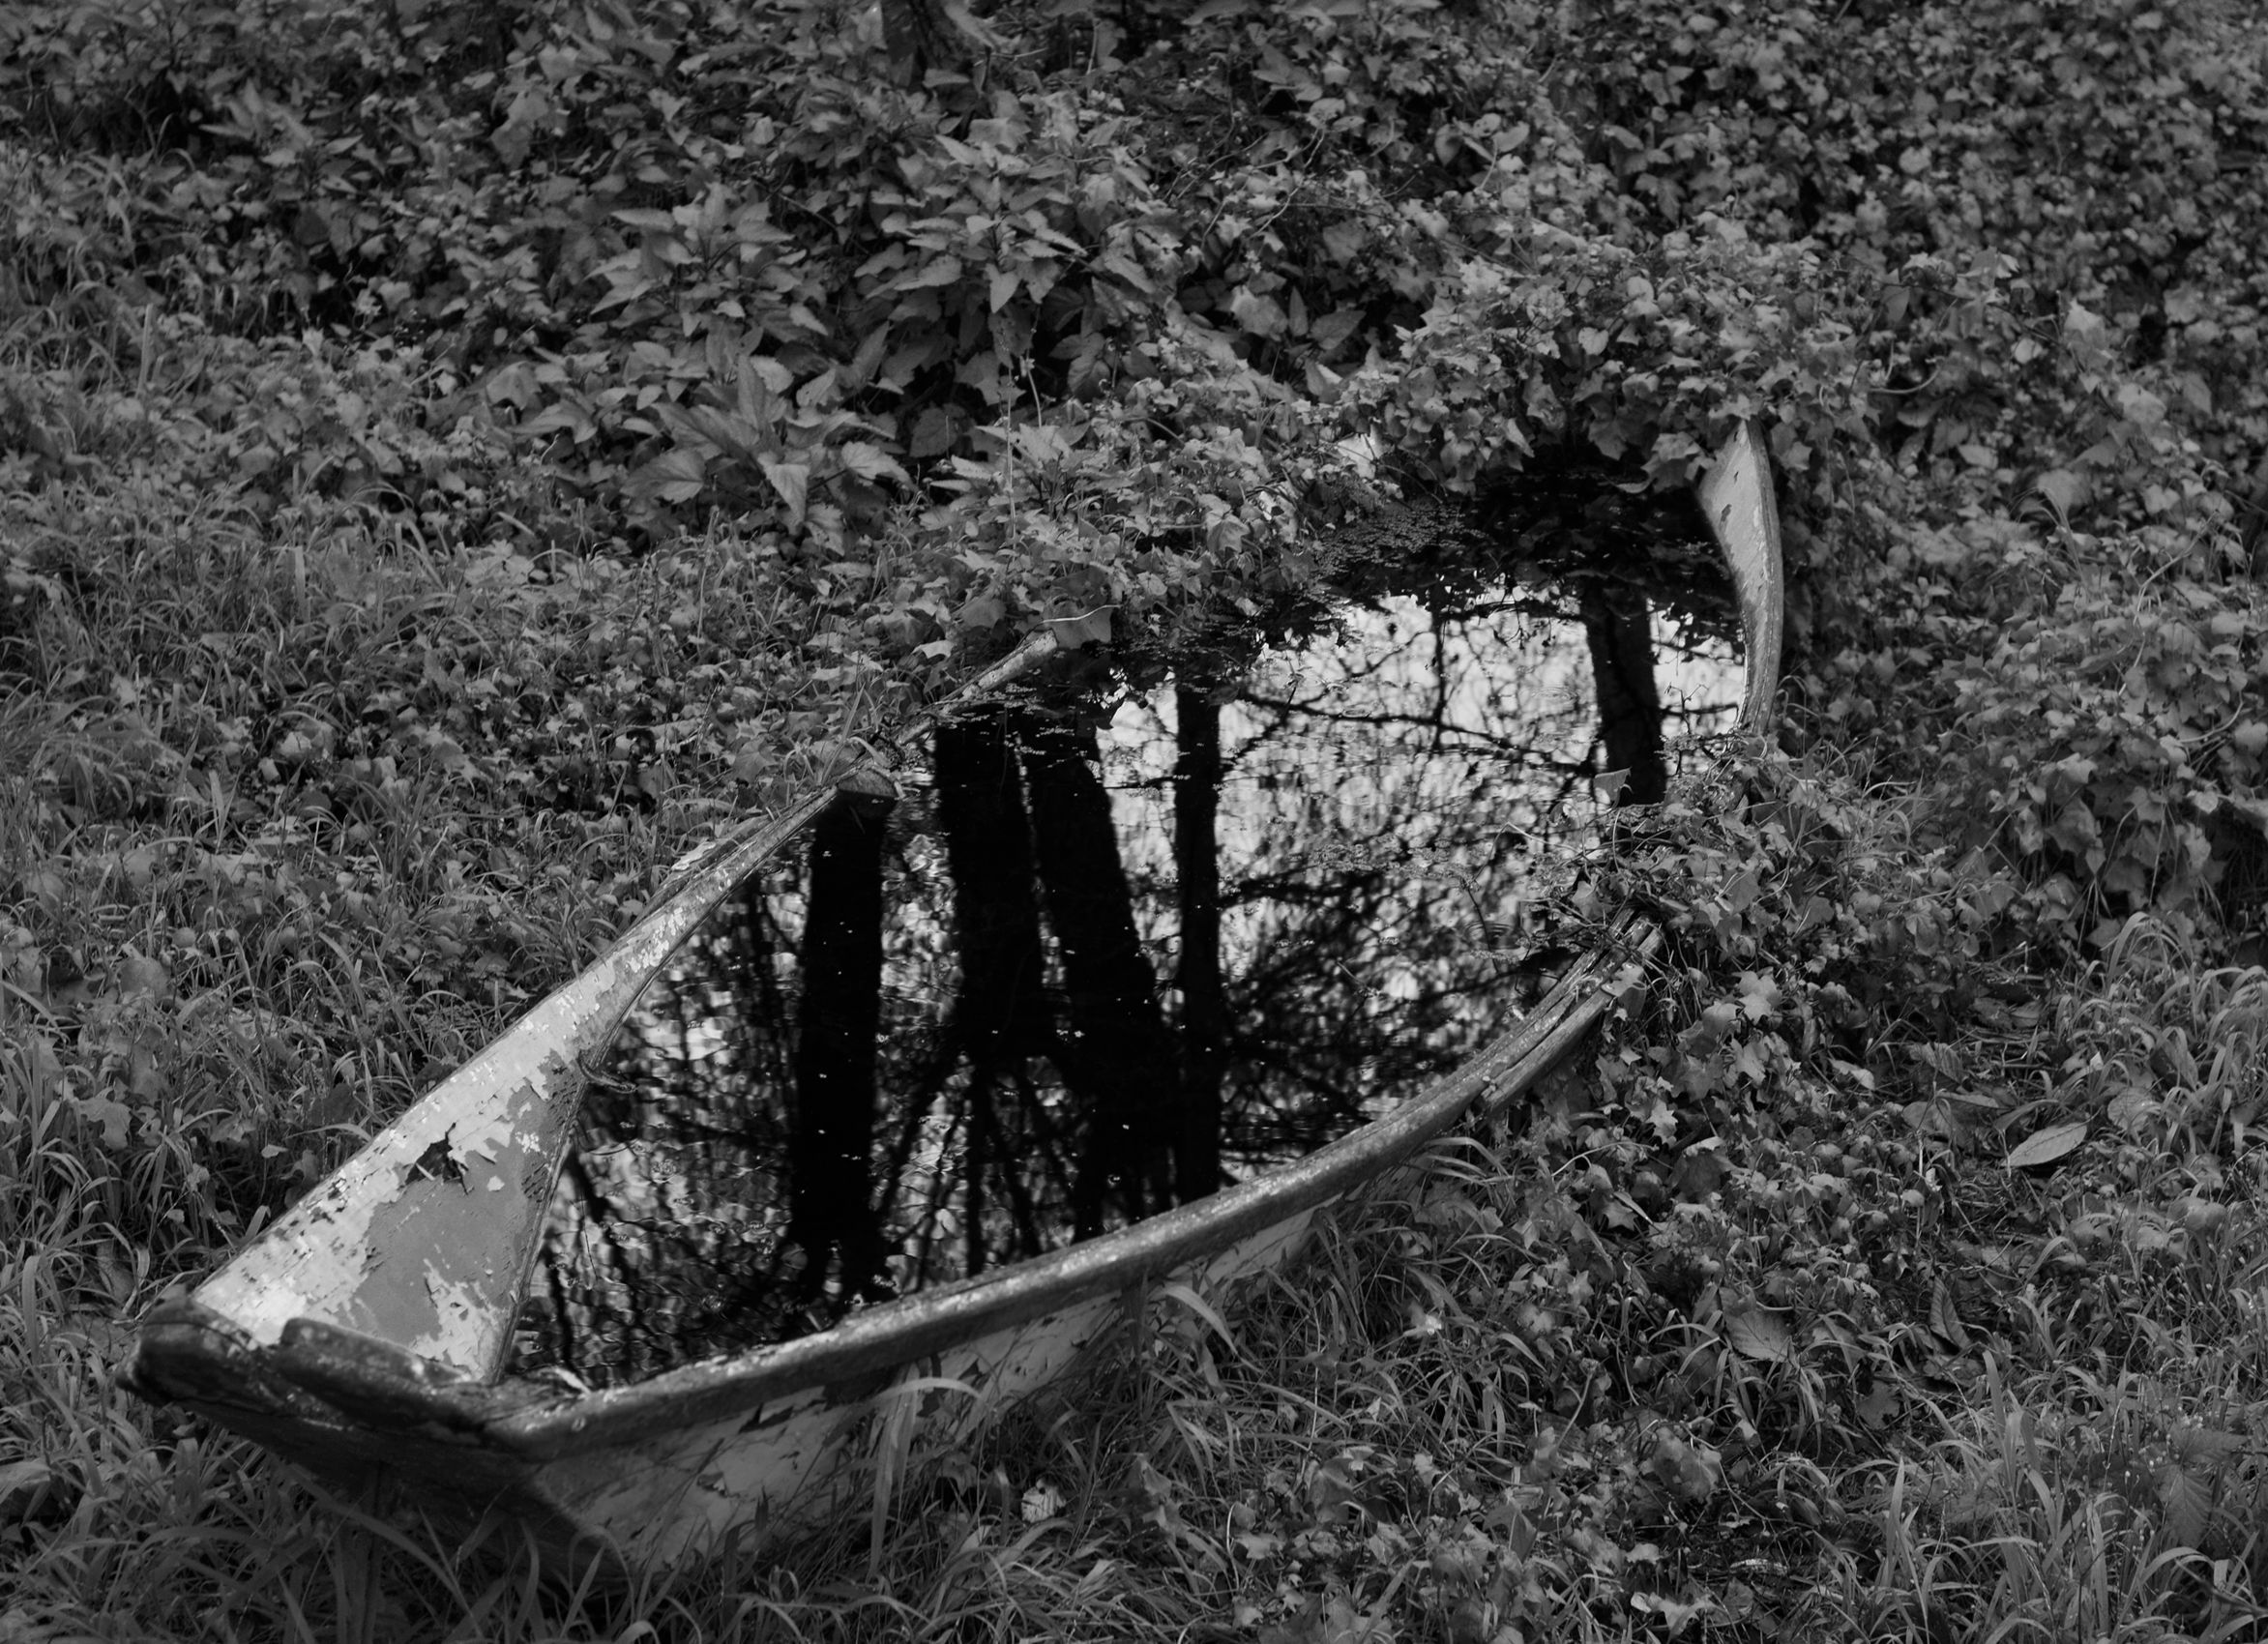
<point x="1104" y="957"/>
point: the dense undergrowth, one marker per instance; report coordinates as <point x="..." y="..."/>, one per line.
<point x="450" y="459"/>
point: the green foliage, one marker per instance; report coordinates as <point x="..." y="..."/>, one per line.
<point x="2150" y="756"/>
<point x="2080" y="159"/>
<point x="451" y="456"/>
<point x="1647" y="359"/>
<point x="614" y="218"/>
<point x="605" y="241"/>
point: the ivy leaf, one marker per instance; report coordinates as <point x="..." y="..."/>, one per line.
<point x="137" y="975"/>
<point x="1757" y="1332"/>
<point x="932" y="435"/>
<point x="2132" y="1110"/>
<point x="2075" y="829"/>
<point x="1261" y="316"/>
<point x="114" y="1116"/>
<point x="1690" y="1470"/>
<point x="1332" y="331"/>
<point x="2086" y="336"/>
<point x="871" y="462"/>
<point x="675" y="476"/>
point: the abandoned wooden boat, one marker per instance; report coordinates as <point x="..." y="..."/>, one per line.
<point x="658" y="1266"/>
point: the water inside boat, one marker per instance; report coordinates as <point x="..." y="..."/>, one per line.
<point x="1138" y="930"/>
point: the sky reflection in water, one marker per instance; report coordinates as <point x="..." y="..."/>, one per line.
<point x="1101" y="957"/>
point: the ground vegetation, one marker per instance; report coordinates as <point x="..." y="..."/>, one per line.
<point x="453" y="459"/>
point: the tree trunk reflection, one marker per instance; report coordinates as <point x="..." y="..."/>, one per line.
<point x="1204" y="999"/>
<point x="1619" y="630"/>
<point x="1116" y="1057"/>
<point x="830" y="1209"/>
<point x="1000" y="1019"/>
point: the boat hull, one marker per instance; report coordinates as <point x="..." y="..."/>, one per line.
<point x="379" y="1365"/>
<point x="784" y="1439"/>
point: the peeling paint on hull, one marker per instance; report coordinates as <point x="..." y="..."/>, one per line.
<point x="425" y="1238"/>
<point x="780" y="1438"/>
<point x="363" y="1335"/>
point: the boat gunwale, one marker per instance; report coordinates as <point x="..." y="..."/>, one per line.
<point x="914" y="1327"/>
<point x="376" y="1386"/>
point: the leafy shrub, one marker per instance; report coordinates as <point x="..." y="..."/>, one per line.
<point x="2089" y="152"/>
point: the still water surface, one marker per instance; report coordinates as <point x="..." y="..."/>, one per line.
<point x="1107" y="950"/>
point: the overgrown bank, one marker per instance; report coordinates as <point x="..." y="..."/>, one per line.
<point x="408" y="548"/>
